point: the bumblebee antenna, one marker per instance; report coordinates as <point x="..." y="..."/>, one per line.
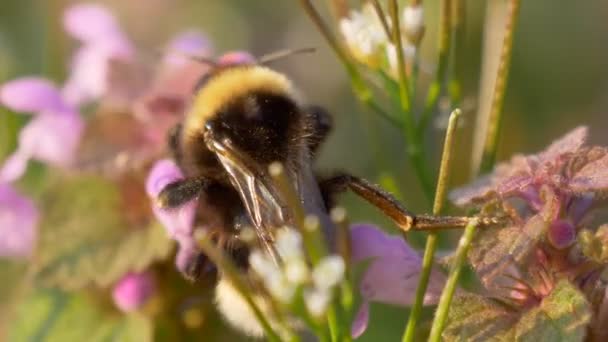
<point x="273" y="56"/>
<point x="200" y="59"/>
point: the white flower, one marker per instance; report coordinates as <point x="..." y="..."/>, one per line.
<point x="363" y="32"/>
<point x="280" y="288"/>
<point x="317" y="301"/>
<point x="296" y="271"/>
<point x="262" y="265"/>
<point x="412" y="20"/>
<point x="289" y="244"/>
<point x="329" y="272"/>
<point x="409" y="51"/>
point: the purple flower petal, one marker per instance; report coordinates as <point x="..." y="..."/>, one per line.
<point x="186" y="255"/>
<point x="90" y="70"/>
<point x="90" y="22"/>
<point x="392" y="276"/>
<point x="52" y="138"/>
<point x="103" y="41"/>
<point x="14" y="167"/>
<point x="236" y="58"/>
<point x="31" y="95"/>
<point x="361" y="320"/>
<point x="178" y="222"/>
<point x="189" y="43"/>
<point x="18" y="220"/>
<point x="133" y="291"/>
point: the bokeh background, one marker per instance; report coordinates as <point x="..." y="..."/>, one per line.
<point x="559" y="80"/>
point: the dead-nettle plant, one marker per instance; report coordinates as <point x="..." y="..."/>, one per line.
<point x="530" y="238"/>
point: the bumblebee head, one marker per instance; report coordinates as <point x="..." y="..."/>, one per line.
<point x="252" y="107"/>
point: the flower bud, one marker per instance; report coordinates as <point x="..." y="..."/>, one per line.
<point x="561" y="234"/>
<point x="317" y="301"/>
<point x="133" y="291"/>
<point x="412" y="23"/>
<point x="329" y="272"/>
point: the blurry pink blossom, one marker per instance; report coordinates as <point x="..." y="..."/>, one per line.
<point x="102" y="41"/>
<point x="393" y="274"/>
<point x="178" y="222"/>
<point x="133" y="291"/>
<point x="51" y="137"/>
<point x="18" y="219"/>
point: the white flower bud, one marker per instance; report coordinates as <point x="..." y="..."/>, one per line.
<point x="412" y="21"/>
<point x="296" y="271"/>
<point x="289" y="244"/>
<point x="262" y="265"/>
<point x="280" y="288"/>
<point x="317" y="301"/>
<point x="364" y="34"/>
<point x="328" y="272"/>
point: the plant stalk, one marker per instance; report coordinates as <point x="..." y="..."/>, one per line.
<point x="431" y="241"/>
<point x="445" y="42"/>
<point x="496" y="113"/>
<point x="445" y="300"/>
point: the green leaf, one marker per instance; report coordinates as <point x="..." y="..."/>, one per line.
<point x="475" y="318"/>
<point x="495" y="250"/>
<point x="562" y="316"/>
<point x="52" y="315"/>
<point x="85" y="236"/>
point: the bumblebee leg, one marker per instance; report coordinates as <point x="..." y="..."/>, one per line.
<point x="389" y="205"/>
<point x="319" y="125"/>
<point x="178" y="193"/>
<point x="174" y="142"/>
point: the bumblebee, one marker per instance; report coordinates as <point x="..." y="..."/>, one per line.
<point x="243" y="117"/>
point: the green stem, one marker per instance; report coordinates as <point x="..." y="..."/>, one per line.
<point x="436" y="87"/>
<point x="382" y="17"/>
<point x="358" y="84"/>
<point x="403" y="82"/>
<point x="431" y="242"/>
<point x="458" y="36"/>
<point x="496" y="113"/>
<point x="412" y="136"/>
<point x="231" y="272"/>
<point x="445" y="300"/>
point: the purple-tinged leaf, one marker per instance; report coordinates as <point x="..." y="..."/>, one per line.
<point x="593" y="177"/>
<point x="569" y="143"/>
<point x="561" y="316"/>
<point x="478" y="319"/>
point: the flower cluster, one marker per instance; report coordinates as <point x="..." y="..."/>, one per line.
<point x="367" y="33"/>
<point x="130" y="95"/>
<point x="549" y="197"/>
<point x="283" y="282"/>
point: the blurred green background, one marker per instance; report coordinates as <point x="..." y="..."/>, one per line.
<point x="559" y="80"/>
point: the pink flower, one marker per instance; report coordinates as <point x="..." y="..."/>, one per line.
<point x="133" y="291"/>
<point x="236" y="58"/>
<point x="178" y="222"/>
<point x="18" y="220"/>
<point x="103" y="41"/>
<point x="52" y="136"/>
<point x="393" y="274"/>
